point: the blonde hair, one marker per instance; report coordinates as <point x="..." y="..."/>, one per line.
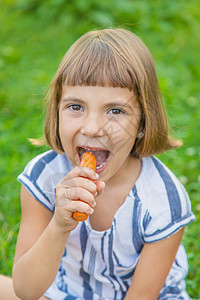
<point x="113" y="58"/>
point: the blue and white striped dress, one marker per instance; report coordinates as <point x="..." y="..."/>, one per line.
<point x="99" y="265"/>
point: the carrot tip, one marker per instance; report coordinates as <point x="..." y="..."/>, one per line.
<point x="88" y="160"/>
<point x="79" y="216"/>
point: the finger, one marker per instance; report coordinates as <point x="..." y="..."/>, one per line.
<point x="100" y="187"/>
<point x="80" y="206"/>
<point x="85" y="183"/>
<point x="81" y="172"/>
<point x="77" y="193"/>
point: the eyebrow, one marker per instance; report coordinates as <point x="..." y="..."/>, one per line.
<point x="110" y="104"/>
<point x="74" y="99"/>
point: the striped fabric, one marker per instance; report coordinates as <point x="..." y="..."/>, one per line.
<point x="99" y="265"/>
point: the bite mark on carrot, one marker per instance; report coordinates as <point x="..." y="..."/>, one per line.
<point x="89" y="161"/>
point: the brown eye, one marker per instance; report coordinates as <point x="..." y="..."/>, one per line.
<point x="116" y="111"/>
<point x="75" y="107"/>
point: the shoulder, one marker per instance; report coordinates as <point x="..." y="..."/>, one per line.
<point x="159" y="187"/>
<point x="50" y="159"/>
<point x="163" y="197"/>
<point x="43" y="173"/>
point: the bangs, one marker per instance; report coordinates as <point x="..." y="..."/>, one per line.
<point x="97" y="64"/>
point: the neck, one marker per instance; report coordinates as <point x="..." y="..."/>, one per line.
<point x="127" y="175"/>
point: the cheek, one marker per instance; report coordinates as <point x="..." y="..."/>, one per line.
<point x="68" y="130"/>
<point x="66" y="134"/>
<point x="65" y="124"/>
<point x="64" y="129"/>
<point x="123" y="135"/>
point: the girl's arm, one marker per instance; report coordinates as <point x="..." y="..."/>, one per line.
<point x="42" y="237"/>
<point x="38" y="251"/>
<point x="153" y="267"/>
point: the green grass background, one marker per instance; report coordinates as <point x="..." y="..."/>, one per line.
<point x="34" y="36"/>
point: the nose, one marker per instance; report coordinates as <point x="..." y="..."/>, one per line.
<point x="93" y="126"/>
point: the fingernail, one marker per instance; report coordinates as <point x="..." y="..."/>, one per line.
<point x="96" y="175"/>
<point x="95" y="204"/>
<point x="91" y="210"/>
<point x="95" y="194"/>
<point x="103" y="183"/>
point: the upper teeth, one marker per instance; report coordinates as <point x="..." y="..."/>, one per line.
<point x="87" y="149"/>
<point x="84" y="149"/>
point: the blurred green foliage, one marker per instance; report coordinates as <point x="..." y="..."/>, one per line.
<point x="35" y="35"/>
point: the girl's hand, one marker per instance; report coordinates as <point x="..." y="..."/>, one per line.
<point x="76" y="192"/>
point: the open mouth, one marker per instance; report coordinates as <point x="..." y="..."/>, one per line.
<point x="102" y="157"/>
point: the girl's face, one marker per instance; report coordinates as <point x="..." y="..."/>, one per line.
<point x="102" y="120"/>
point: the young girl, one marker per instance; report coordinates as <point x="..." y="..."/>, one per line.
<point x="104" y="99"/>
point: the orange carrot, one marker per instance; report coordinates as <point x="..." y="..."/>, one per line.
<point x="89" y="161"/>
